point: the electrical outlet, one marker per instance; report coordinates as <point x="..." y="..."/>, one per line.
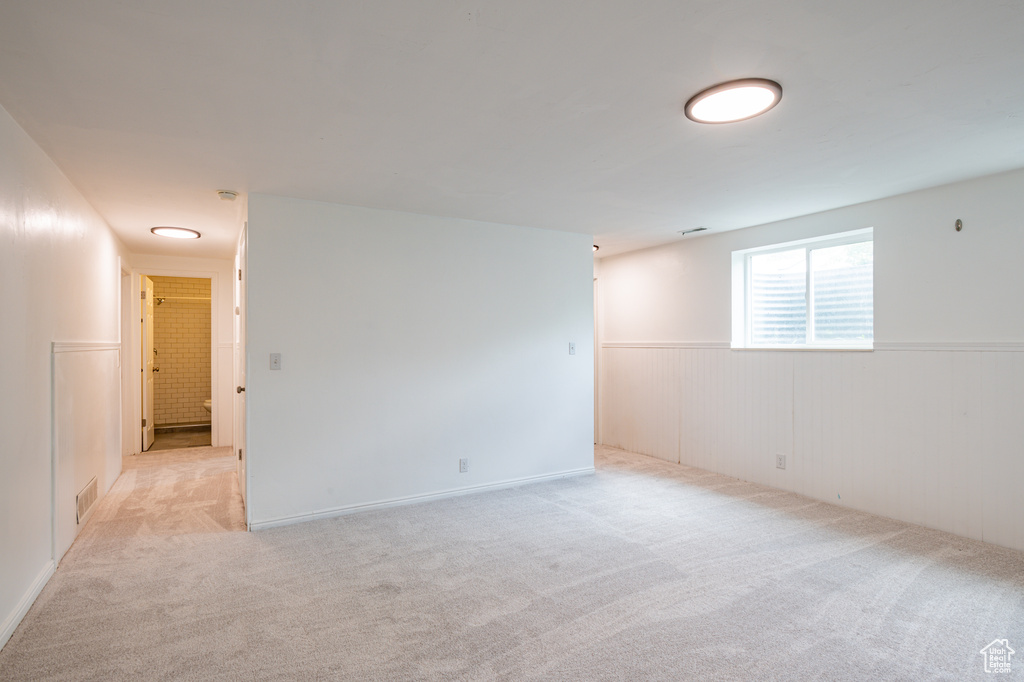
<point x="572" y="348"/>
<point x="463" y="465"/>
<point x="275" y="361"/>
<point x="780" y="461"/>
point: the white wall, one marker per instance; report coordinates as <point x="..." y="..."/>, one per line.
<point x="926" y="428"/>
<point x="59" y="281"/>
<point x="409" y="342"/>
<point x="220" y="273"/>
<point x="932" y="284"/>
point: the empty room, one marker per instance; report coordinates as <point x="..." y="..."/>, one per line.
<point x="511" y="340"/>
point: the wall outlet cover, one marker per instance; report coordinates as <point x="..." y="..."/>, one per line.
<point x="463" y="465"/>
<point x="780" y="461"/>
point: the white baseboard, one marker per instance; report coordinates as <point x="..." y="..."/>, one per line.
<point x="397" y="502"/>
<point x="13" y="619"/>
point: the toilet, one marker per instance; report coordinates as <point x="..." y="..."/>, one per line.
<point x="208" y="405"/>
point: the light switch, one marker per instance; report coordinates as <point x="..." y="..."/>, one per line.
<point x="275" y="361"/>
<point x="572" y="348"/>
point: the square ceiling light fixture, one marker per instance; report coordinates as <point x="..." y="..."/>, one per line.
<point x="733" y="101"/>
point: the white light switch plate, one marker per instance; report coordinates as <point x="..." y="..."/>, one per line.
<point x="275" y="361"/>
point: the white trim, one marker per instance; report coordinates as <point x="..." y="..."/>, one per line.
<point x="976" y="346"/>
<point x="414" y="499"/>
<point x="864" y="234"/>
<point x="216" y="302"/>
<point x="945" y="346"/>
<point x="226" y="345"/>
<point x="664" y="344"/>
<point x="598" y="317"/>
<point x="124" y="306"/>
<point x="805" y="349"/>
<point x="81" y="346"/>
<point x="14" y="618"/>
<point x="742" y="294"/>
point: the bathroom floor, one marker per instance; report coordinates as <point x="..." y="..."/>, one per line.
<point x="174" y="440"/>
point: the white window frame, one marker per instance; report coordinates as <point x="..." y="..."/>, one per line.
<point x="741" y="295"/>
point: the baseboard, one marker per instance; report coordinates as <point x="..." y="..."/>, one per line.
<point x="414" y="499"/>
<point x="12" y="621"/>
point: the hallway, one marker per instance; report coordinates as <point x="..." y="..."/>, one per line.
<point x="143" y="558"/>
<point x="167" y="493"/>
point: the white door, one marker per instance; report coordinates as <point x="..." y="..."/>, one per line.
<point x="148" y="360"/>
<point x="597" y="375"/>
<point x="240" y="359"/>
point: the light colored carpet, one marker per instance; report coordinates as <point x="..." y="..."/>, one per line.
<point x="644" y="571"/>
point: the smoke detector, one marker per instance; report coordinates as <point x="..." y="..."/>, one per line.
<point x="227" y="195"/>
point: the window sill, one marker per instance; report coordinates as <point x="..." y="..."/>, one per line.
<point x="840" y="349"/>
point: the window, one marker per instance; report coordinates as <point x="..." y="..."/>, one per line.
<point x="813" y="293"/>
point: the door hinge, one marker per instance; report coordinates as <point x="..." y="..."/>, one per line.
<point x="143" y="294"/>
<point x="239" y="274"/>
<point x="239" y="453"/>
<point x="143" y="423"/>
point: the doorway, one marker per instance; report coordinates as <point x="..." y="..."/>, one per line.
<point x="176" y="362"/>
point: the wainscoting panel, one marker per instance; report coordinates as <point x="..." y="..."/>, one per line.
<point x="930" y="436"/>
<point x="641" y="400"/>
<point x="86" y="429"/>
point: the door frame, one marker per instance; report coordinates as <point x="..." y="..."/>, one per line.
<point x="132" y="403"/>
<point x="147" y="309"/>
<point x="240" y="369"/>
<point x="129" y="431"/>
<point x="597" y="361"/>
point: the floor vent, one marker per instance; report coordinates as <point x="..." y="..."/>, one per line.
<point x="86" y="498"/>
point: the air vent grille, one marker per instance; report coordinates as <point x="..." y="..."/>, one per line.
<point x="86" y="498"/>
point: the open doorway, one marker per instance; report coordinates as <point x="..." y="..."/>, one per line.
<point x="176" y="391"/>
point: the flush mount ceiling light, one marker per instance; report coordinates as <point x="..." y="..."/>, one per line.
<point x="733" y="101"/>
<point x="175" y="232"/>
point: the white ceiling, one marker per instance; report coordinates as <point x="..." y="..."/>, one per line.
<point x="552" y="114"/>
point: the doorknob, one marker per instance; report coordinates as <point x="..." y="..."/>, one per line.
<point x="239" y="389"/>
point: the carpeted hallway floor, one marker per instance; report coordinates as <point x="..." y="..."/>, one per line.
<point x="645" y="571"/>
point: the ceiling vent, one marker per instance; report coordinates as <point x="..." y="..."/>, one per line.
<point x="696" y="229"/>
